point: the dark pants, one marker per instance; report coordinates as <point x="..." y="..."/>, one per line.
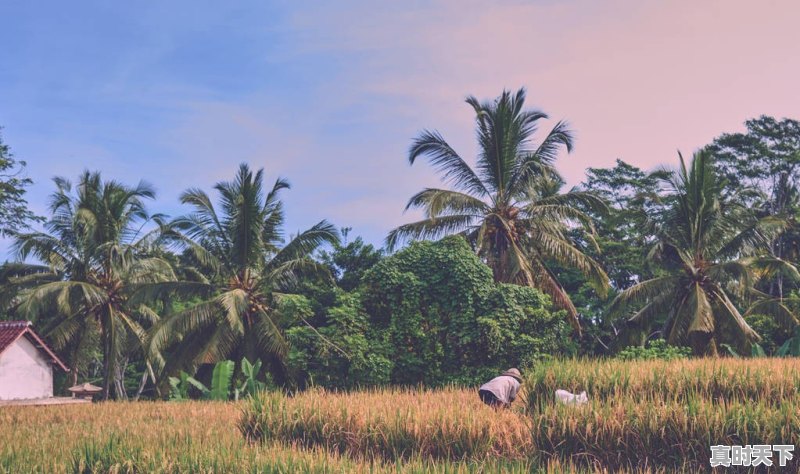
<point x="490" y="399"/>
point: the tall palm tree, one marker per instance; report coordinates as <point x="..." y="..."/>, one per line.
<point x="241" y="313"/>
<point x="95" y="254"/>
<point x="508" y="207"/>
<point x="707" y="249"/>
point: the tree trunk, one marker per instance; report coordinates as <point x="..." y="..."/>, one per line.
<point x="148" y="372"/>
<point x="142" y="384"/>
<point x="106" y="377"/>
<point x="119" y="380"/>
<point x="711" y="350"/>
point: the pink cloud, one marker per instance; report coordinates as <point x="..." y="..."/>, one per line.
<point x="637" y="80"/>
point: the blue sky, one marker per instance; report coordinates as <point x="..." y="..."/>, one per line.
<point x="329" y="95"/>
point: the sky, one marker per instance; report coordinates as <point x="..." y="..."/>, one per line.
<point x="330" y="94"/>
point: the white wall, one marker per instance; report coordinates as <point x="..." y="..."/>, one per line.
<point x="24" y="372"/>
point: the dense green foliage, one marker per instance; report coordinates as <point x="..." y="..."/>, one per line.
<point x="349" y="261"/>
<point x="223" y="386"/>
<point x="436" y="305"/>
<point x="656" y="349"/>
<point x="701" y="256"/>
<point x="431" y="314"/>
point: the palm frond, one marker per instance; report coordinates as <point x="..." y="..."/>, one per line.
<point x="566" y="254"/>
<point x="439" y="202"/>
<point x="442" y="156"/>
<point x="643" y="292"/>
<point x="702" y="318"/>
<point x="540" y="161"/>
<point x="776" y="308"/>
<point x="305" y="243"/>
<point x="430" y="229"/>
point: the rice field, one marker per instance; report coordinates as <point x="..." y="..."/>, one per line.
<point x="666" y="414"/>
<point x="174" y="437"/>
<point x="450" y="424"/>
<point x="642" y="417"/>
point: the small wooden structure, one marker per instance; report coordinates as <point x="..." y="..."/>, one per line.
<point x="85" y="391"/>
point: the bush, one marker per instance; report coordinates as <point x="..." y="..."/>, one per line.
<point x="430" y="314"/>
<point x="656" y="349"/>
<point x="343" y="354"/>
<point x="773" y="334"/>
<point x="437" y="309"/>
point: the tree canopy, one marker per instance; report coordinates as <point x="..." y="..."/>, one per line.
<point x="509" y="207"/>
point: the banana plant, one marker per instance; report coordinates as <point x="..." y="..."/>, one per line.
<point x="250" y="385"/>
<point x="220" y="383"/>
<point x="179" y="386"/>
<point x="791" y="348"/>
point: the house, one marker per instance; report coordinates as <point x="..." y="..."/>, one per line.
<point x="26" y="363"/>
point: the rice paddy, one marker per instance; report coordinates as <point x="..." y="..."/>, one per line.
<point x="642" y="416"/>
<point x="172" y="437"/>
<point x="449" y="424"/>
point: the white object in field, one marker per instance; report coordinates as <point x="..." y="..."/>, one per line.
<point x="568" y="398"/>
<point x="25" y="372"/>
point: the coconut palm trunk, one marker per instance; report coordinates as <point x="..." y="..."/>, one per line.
<point x="96" y="254"/>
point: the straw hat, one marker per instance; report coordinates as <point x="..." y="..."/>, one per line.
<point x="513" y="373"/>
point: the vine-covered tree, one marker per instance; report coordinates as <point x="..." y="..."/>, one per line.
<point x="631" y="195"/>
<point x="349" y="261"/>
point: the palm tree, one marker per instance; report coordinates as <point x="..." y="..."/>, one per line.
<point x="242" y="313"/>
<point x="95" y="254"/>
<point x="509" y="206"/>
<point x="707" y="249"/>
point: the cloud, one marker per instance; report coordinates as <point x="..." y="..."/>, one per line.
<point x="636" y="79"/>
<point x="330" y="95"/>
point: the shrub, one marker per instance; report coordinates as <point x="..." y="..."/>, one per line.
<point x="343" y="353"/>
<point x="773" y="334"/>
<point x="656" y="349"/>
<point x="437" y="309"/>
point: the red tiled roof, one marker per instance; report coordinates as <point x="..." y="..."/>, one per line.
<point x="10" y="331"/>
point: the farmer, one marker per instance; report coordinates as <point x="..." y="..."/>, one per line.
<point x="501" y="391"/>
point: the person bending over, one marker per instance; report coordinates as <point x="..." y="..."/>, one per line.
<point x="501" y="391"/>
